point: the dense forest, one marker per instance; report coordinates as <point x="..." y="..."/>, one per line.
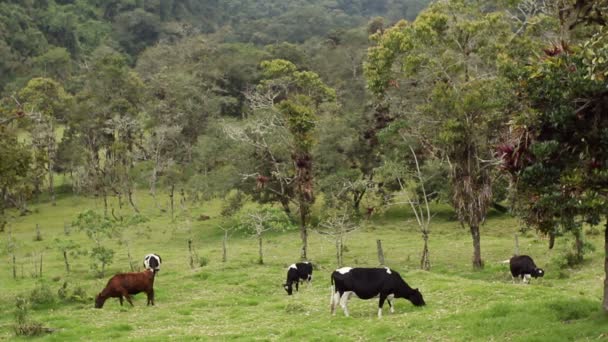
<point x="348" y="103"/>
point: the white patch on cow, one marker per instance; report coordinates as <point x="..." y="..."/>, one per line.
<point x="344" y="270"/>
<point x="306" y="262"/>
<point x="526" y="278"/>
<point x="388" y="270"/>
<point x="292" y="266"/>
<point x="379" y="312"/>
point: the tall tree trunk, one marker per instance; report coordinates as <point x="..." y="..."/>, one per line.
<point x="261" y="253"/>
<point x="425" y="260"/>
<point x="285" y="203"/>
<point x="105" y="203"/>
<point x="477" y="262"/>
<point x="130" y="197"/>
<point x="224" y="241"/>
<point x="303" y="231"/>
<point x="65" y="259"/>
<point x="171" y="195"/>
<point x="605" y="301"/>
<point x="339" y="250"/>
<point x="51" y="179"/>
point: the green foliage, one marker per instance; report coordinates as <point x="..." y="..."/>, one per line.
<point x="42" y="296"/>
<point x="70" y="294"/>
<point x="24" y="325"/>
<point x="98" y="228"/>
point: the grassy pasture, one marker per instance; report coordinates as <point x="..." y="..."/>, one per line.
<point x="240" y="300"/>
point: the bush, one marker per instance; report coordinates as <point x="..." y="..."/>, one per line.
<point x="24" y="326"/>
<point x="593" y="231"/>
<point x="77" y="295"/>
<point x="203" y="261"/>
<point x="42" y="295"/>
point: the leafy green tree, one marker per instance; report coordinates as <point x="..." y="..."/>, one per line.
<point x="445" y="61"/>
<point x="106" y="124"/>
<point x="556" y="152"/>
<point x="14" y="168"/>
<point x="305" y="97"/>
<point x="98" y="228"/>
<point x="47" y="103"/>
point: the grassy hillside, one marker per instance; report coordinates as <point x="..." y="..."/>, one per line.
<point x="240" y="300"/>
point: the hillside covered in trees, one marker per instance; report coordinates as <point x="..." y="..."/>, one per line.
<point x="323" y="112"/>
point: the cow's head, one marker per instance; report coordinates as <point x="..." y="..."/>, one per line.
<point x="99" y="300"/>
<point x="416" y="298"/>
<point x="288" y="288"/>
<point x="539" y="272"/>
<point x="152" y="261"/>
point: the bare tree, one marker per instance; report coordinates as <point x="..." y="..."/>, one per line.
<point x="421" y="209"/>
<point x="337" y="226"/>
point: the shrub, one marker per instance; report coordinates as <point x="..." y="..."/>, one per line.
<point x="42" y="295"/>
<point x="203" y="261"/>
<point x="24" y="326"/>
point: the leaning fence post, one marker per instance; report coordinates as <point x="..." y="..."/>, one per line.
<point x="380" y="252"/>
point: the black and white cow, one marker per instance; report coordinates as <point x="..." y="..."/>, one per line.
<point x="297" y="272"/>
<point x="523" y="266"/>
<point x="368" y="283"/>
<point x="152" y="261"/>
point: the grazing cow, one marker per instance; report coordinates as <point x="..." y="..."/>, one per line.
<point x="523" y="266"/>
<point x="368" y="283"/>
<point x="297" y="272"/>
<point x="152" y="261"/>
<point x="127" y="284"/>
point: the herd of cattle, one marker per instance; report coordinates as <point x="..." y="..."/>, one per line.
<point x="364" y="283"/>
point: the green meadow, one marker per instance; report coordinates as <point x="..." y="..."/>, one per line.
<point x="242" y="300"/>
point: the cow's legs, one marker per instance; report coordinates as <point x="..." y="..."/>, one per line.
<point x="334" y="300"/>
<point x="390" y="302"/>
<point x="526" y="278"/>
<point x="297" y="285"/>
<point x="120" y="299"/>
<point x="151" y="297"/>
<point x="344" y="302"/>
<point x="380" y="304"/>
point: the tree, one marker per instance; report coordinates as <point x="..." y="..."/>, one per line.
<point x="105" y="123"/>
<point x="14" y="168"/>
<point x="260" y="220"/>
<point x="438" y="76"/>
<point x="47" y="103"/>
<point x="557" y="151"/>
<point x="413" y="192"/>
<point x="98" y="228"/>
<point x="299" y="97"/>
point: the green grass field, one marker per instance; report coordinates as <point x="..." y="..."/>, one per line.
<point x="241" y="300"/>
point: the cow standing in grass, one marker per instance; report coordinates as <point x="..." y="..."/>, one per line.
<point x="368" y="283"/>
<point x="127" y="284"/>
<point x="297" y="272"/>
<point x="523" y="266"/>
